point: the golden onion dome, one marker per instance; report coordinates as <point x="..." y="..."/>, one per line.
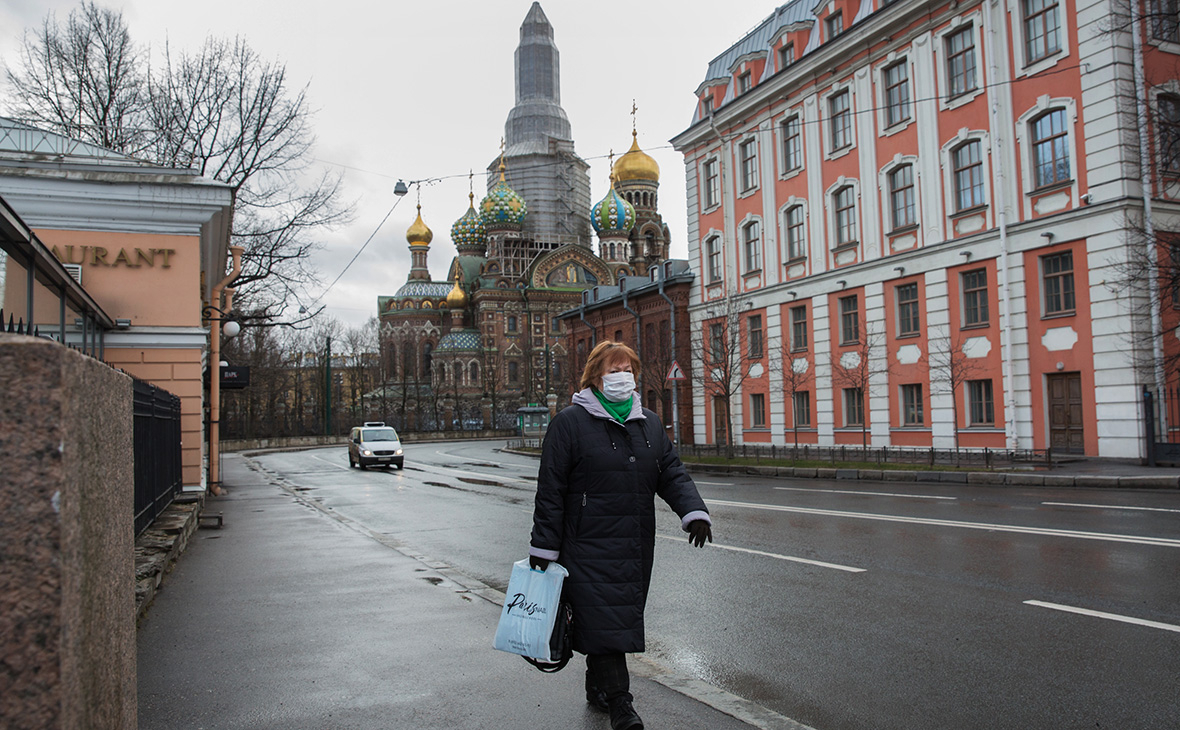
<point x="456" y="299"/>
<point x="419" y="232"/>
<point x="636" y="164"/>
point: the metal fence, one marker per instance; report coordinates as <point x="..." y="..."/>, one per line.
<point x="157" y="452"/>
<point x="835" y="455"/>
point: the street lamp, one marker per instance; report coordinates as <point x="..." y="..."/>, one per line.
<point x="223" y="323"/>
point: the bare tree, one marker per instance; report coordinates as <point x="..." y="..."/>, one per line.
<point x="951" y="366"/>
<point x="797" y="377"/>
<point x="854" y="371"/>
<point x="721" y="349"/>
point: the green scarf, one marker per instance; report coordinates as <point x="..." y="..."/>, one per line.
<point x="619" y="411"/>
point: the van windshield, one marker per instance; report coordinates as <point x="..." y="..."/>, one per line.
<point x="378" y="434"/>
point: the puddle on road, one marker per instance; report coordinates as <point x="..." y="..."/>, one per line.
<point x="432" y="580"/>
<point x="481" y="465"/>
<point x="480" y="482"/>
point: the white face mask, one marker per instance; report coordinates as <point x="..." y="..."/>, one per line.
<point x="617" y="387"/>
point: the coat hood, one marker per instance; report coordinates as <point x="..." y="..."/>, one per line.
<point x="586" y="398"/>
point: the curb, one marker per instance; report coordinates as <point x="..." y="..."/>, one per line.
<point x="984" y="478"/>
<point x="158" y="548"/>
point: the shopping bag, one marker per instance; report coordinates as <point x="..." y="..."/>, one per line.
<point x="530" y="610"/>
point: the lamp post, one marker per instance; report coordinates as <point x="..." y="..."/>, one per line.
<point x="217" y="313"/>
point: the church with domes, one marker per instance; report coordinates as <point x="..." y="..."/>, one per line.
<point x="467" y="349"/>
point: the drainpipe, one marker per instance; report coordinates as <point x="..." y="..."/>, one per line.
<point x="1010" y="436"/>
<point x="582" y="316"/>
<point x="217" y="317"/>
<point x="638" y="330"/>
<point x="675" y="383"/>
<point x="1157" y="350"/>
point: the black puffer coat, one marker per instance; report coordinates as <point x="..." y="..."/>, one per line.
<point x="595" y="514"/>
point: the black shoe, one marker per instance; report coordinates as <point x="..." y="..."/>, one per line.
<point x="595" y="697"/>
<point x="623" y="715"/>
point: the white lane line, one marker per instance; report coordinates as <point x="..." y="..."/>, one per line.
<point x="1109" y="506"/>
<point x="1103" y="614"/>
<point x="338" y="466"/>
<point x="868" y="494"/>
<point x="714" y="484"/>
<point x="1157" y="541"/>
<point x="776" y="556"/>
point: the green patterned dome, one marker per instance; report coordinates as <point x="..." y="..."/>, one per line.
<point x="502" y="208"/>
<point x="612" y="214"/>
<point x="468" y="233"/>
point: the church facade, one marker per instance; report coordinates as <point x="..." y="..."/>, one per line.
<point x="467" y="349"/>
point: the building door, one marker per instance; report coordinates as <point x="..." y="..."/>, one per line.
<point x="1065" y="413"/>
<point x="720" y="420"/>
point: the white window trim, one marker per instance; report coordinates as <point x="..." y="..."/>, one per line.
<point x="709" y="235"/>
<point x="739" y="173"/>
<point x="887" y="197"/>
<point x="892" y="59"/>
<point x="801" y="203"/>
<point x="751" y="218"/>
<point x="1025" y="146"/>
<point x="948" y="165"/>
<point x="1016" y="19"/>
<point x="715" y="158"/>
<point x="829" y="194"/>
<point x="781" y="142"/>
<point x="826" y="119"/>
<point x="974" y="19"/>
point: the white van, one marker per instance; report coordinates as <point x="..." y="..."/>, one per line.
<point x="374" y="443"/>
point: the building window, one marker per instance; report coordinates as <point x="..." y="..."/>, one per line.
<point x="802" y="408"/>
<point x="1165" y="20"/>
<point x="1168" y="124"/>
<point x="1050" y="156"/>
<point x="474" y="373"/>
<point x="511" y="323"/>
<point x="854" y="407"/>
<point x="981" y="408"/>
<point x="748" y="156"/>
<point x="758" y="410"/>
<point x="798" y="328"/>
<point x="716" y="343"/>
<point x="796" y="243"/>
<point x="712" y="183"/>
<point x="713" y="252"/>
<point x="752" y="246"/>
<point x="975" y="312"/>
<point x="901" y="197"/>
<point x="427" y="358"/>
<point x="897" y="94"/>
<point x="849" y="320"/>
<point x="1042" y="29"/>
<point x="834" y="24"/>
<point x="792" y="144"/>
<point x="960" y="62"/>
<point x="707" y="104"/>
<point x="911" y="405"/>
<point x="786" y="56"/>
<point x="1057" y="274"/>
<point x="908" y="323"/>
<point x="844" y="202"/>
<point x="513" y="372"/>
<point x="755" y="342"/>
<point x="968" y="164"/>
<point x="840" y="118"/>
<point x="744" y="83"/>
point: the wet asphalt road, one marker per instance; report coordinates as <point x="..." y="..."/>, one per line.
<point x="850" y="604"/>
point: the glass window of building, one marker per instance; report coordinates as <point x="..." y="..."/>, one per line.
<point x="1042" y="29"/>
<point x="981" y="408"/>
<point x="754" y="323"/>
<point x="911" y="405"/>
<point x="897" y="93"/>
<point x="854" y="407"/>
<point x="748" y="159"/>
<point x="849" y="320"/>
<point x="960" y="62"/>
<point x="975" y="312"/>
<point x="1050" y="153"/>
<point x="799" y="328"/>
<point x="901" y="197"/>
<point x="712" y="181"/>
<point x="757" y="410"/>
<point x="713" y="252"/>
<point x="1057" y="274"/>
<point x="844" y="203"/>
<point x="968" y="163"/>
<point x="802" y="404"/>
<point x="753" y="246"/>
<point x="840" y="119"/>
<point x="908" y="322"/>
<point x="792" y="144"/>
<point x="793" y="223"/>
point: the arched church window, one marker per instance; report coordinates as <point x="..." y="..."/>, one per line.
<point x="427" y="357"/>
<point x="474" y="377"/>
<point x="408" y="362"/>
<point x="458" y="373"/>
<point x="651" y="242"/>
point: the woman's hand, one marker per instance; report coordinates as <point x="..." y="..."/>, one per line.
<point x="698" y="532"/>
<point x="538" y="563"/>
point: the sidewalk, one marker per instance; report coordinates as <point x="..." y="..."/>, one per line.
<point x="291" y="617"/>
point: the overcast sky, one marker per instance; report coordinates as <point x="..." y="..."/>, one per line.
<point x="418" y="90"/>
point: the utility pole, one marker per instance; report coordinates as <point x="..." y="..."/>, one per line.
<point x="328" y="389"/>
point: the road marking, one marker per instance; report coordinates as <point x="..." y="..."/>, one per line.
<point x="1157" y="541"/>
<point x="1103" y="614"/>
<point x="869" y="494"/>
<point x="714" y="484"/>
<point x="1109" y="506"/>
<point x="776" y="556"/>
<point x="338" y="466"/>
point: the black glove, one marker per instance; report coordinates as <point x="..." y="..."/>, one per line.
<point x="698" y="532"/>
<point x="538" y="563"/>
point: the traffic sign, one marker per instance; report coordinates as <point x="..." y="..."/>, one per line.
<point x="675" y="373"/>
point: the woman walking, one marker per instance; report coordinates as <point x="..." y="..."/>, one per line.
<point x="604" y="459"/>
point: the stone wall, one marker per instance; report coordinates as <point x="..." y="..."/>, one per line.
<point x="67" y="600"/>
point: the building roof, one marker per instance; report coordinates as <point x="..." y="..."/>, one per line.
<point x="432" y="289"/>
